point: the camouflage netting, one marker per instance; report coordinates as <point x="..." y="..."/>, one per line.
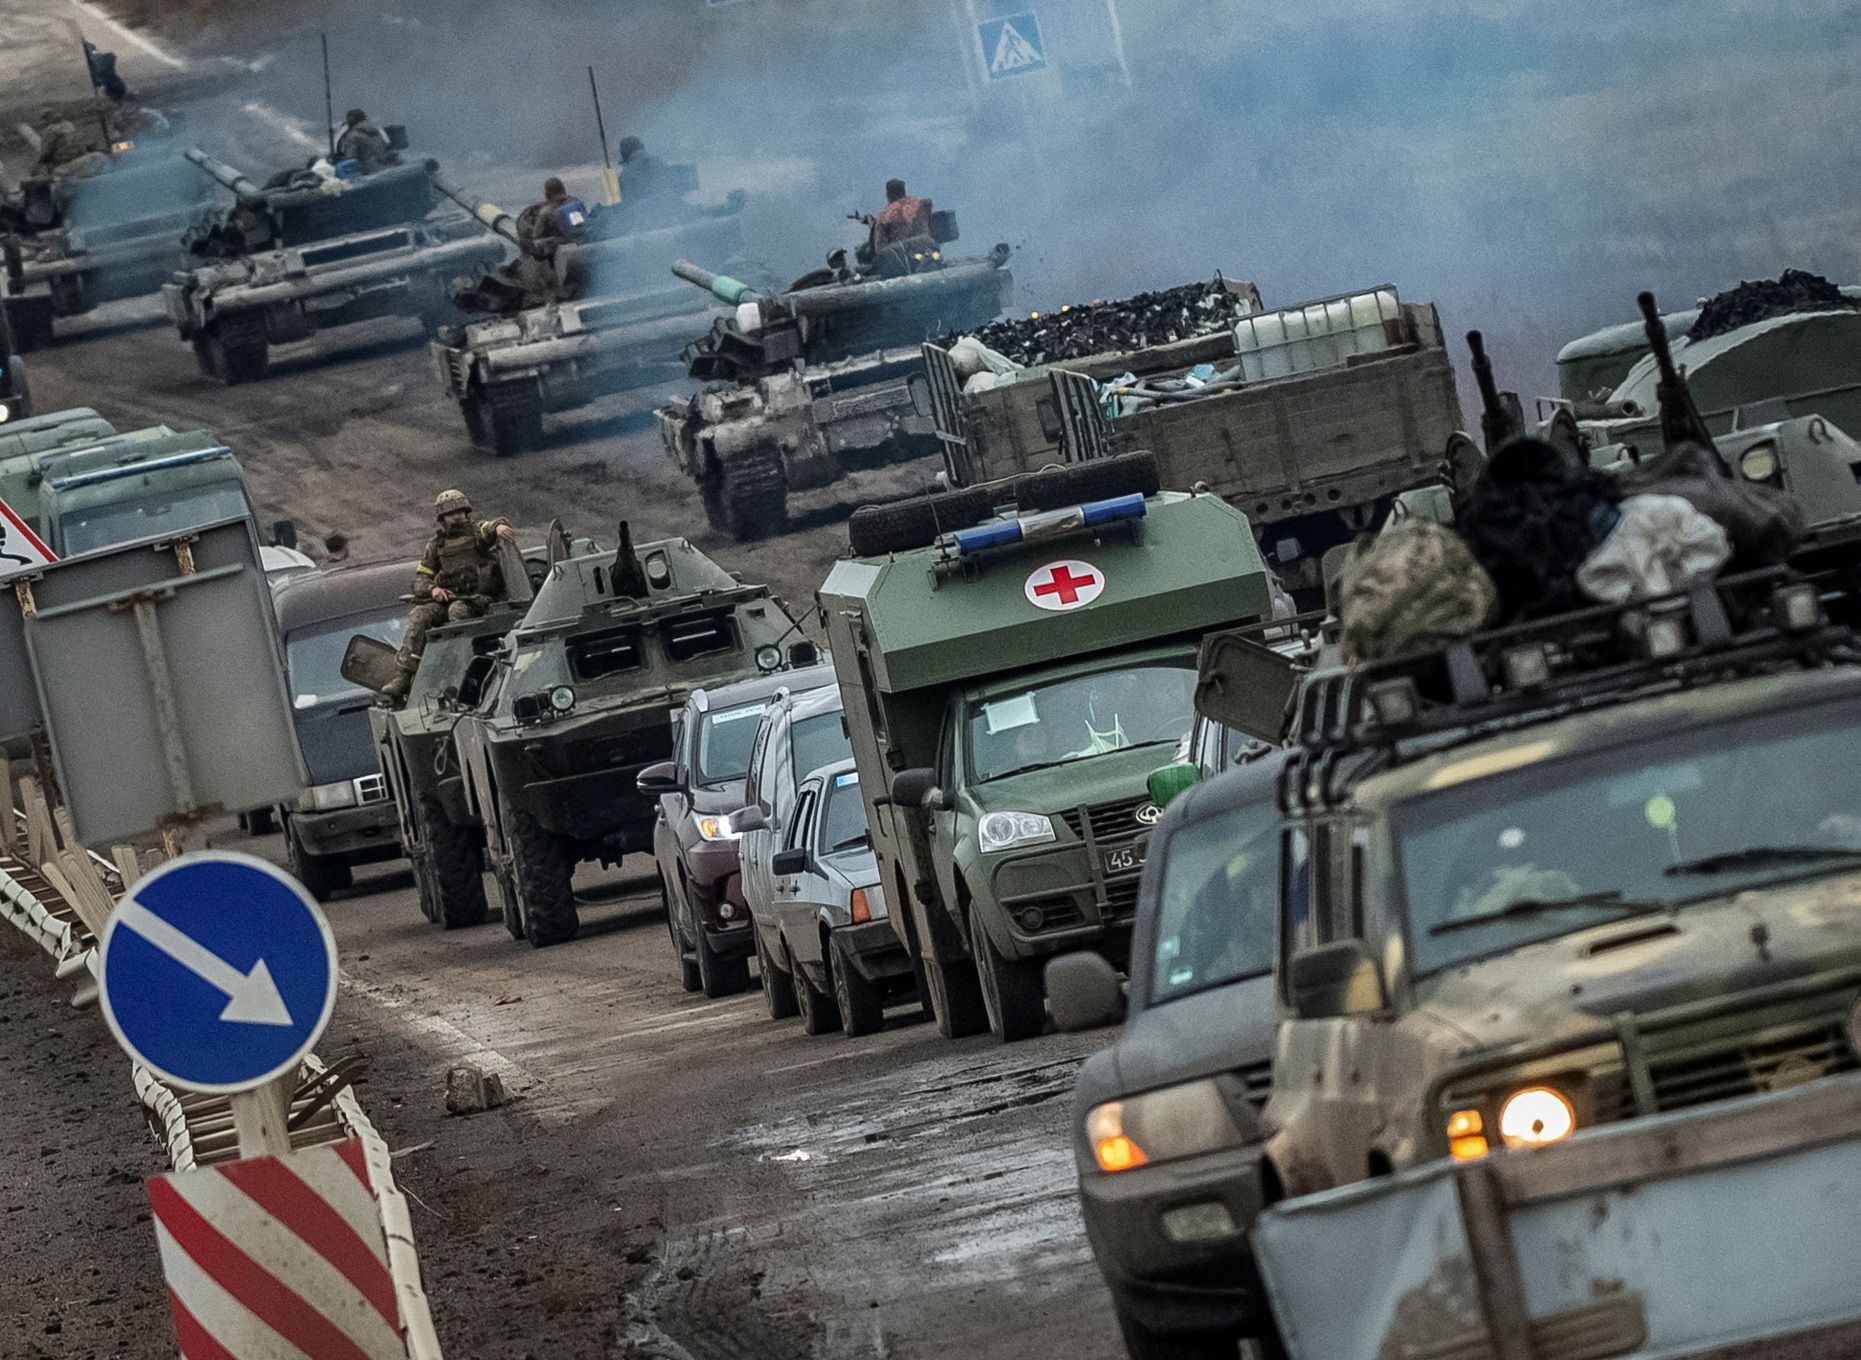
<point x="1140" y="322"/>
<point x="1797" y="291"/>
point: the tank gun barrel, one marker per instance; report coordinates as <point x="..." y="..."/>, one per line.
<point x="224" y="174"/>
<point x="729" y="291"/>
<point x="490" y="215"/>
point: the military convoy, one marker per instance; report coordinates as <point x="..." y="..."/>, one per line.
<point x="311" y="254"/>
<point x="809" y="384"/>
<point x="1010" y="681"/>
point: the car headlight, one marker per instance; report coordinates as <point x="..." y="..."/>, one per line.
<point x="1536" y="1117"/>
<point x="769" y="658"/>
<point x="562" y="698"/>
<point x="1007" y="830"/>
<point x="1161" y="1126"/>
<point x="327" y="797"/>
<point x="6" y="411"/>
<point x="1759" y="463"/>
<point x="717" y="829"/>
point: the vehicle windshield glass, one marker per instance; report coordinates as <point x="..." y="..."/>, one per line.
<point x="1657" y="822"/>
<point x="1218" y="903"/>
<point x="819" y="741"/>
<point x="724" y="741"/>
<point x="315" y="659"/>
<point x="844" y="825"/>
<point x="101" y="526"/>
<point x="1151" y="704"/>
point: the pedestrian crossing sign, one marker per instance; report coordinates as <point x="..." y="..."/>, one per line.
<point x="1012" y="46"/>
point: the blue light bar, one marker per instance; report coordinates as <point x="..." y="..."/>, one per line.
<point x="1050" y="524"/>
<point x="138" y="469"/>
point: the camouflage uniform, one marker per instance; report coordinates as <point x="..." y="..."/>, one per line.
<point x="463" y="562"/>
<point x="59" y="144"/>
<point x="1415" y="588"/>
<point x="363" y="143"/>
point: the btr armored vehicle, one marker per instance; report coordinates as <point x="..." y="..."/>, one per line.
<point x="822" y="379"/>
<point x="595" y="318"/>
<point x="313" y="254"/>
<point x="1011" y="680"/>
<point x="578" y="702"/>
<point x="15" y="391"/>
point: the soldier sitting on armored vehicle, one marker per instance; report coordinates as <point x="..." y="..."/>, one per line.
<point x="61" y="147"/>
<point x="458" y="578"/>
<point x="364" y="143"/>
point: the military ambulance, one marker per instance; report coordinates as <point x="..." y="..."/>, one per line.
<point x="1015" y="660"/>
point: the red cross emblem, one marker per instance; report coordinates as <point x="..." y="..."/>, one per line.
<point x="1063" y="586"/>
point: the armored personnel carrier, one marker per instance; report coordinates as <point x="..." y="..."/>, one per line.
<point x="578" y="700"/>
<point x="822" y="379"/>
<point x="584" y="323"/>
<point x="71" y="245"/>
<point x="309" y="254"/>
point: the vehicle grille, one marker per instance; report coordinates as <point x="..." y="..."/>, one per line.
<point x="1121" y="898"/>
<point x="1747" y="1064"/>
<point x="371" y="788"/>
<point x="1257" y="1080"/>
<point x="1111" y="822"/>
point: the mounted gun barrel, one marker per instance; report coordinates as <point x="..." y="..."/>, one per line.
<point x="1496" y="421"/>
<point x="224" y="174"/>
<point x="1681" y="422"/>
<point x="493" y="218"/>
<point x="731" y="292"/>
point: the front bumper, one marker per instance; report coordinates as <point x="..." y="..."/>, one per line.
<point x="359" y="835"/>
<point x="1077" y="907"/>
<point x="1168" y="1285"/>
<point x="602" y="805"/>
<point x="875" y="951"/>
<point x="714" y="883"/>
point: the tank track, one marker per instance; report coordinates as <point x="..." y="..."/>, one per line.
<point x="751" y="493"/>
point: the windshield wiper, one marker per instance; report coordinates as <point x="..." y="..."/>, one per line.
<point x="1078" y="755"/>
<point x="1765" y="856"/>
<point x="1538" y="906"/>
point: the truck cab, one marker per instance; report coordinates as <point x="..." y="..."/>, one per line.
<point x="1009" y="688"/>
<point x="141" y="487"/>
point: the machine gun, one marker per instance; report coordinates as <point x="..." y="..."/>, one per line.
<point x="1681" y="422"/>
<point x="1499" y="420"/>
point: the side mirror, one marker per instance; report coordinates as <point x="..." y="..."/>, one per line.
<point x="790" y="862"/>
<point x="1171" y="782"/>
<point x="1083" y="992"/>
<point x="914" y="789"/>
<point x="284" y="533"/>
<point x="803" y="654"/>
<point x="1335" y="980"/>
<point x="749" y="819"/>
<point x="660" y="779"/>
<point x="370" y="663"/>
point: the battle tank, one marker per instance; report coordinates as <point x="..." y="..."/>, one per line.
<point x="578" y="700"/>
<point x="811" y="383"/>
<point x="577" y="325"/>
<point x="305" y="254"/>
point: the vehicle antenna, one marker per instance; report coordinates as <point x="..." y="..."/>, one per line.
<point x="610" y="178"/>
<point x="329" y="99"/>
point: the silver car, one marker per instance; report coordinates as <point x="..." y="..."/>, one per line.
<point x="834" y="937"/>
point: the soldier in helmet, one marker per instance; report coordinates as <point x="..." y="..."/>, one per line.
<point x="458" y="578"/>
<point x="59" y="143"/>
<point x="362" y="142"/>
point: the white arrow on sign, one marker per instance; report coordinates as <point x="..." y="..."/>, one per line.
<point x="252" y="998"/>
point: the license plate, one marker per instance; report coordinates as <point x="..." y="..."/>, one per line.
<point x="1126" y="859"/>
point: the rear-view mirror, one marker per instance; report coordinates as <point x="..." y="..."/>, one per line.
<point x="1083" y="992"/>
<point x="749" y="819"/>
<point x="913" y="788"/>
<point x="659" y="779"/>
<point x="789" y="862"/>
<point x="1335" y="980"/>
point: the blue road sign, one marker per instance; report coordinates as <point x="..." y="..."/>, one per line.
<point x="1012" y="46"/>
<point x="218" y="972"/>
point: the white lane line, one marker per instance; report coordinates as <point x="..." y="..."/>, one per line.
<point x="285" y="125"/>
<point x="453" y="1042"/>
<point x="121" y="33"/>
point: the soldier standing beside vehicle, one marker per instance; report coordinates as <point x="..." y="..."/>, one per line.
<point x="458" y="578"/>
<point x="362" y="142"/>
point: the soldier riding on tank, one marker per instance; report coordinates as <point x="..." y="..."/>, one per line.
<point x="364" y="143"/>
<point x="459" y="576"/>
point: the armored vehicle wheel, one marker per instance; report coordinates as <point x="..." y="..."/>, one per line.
<point x="687" y="967"/>
<point x="321" y="875"/>
<point x="752" y="495"/>
<point x="30" y="320"/>
<point x="721" y="976"/>
<point x="1012" y="990"/>
<point x="954" y="993"/>
<point x="778" y="988"/>
<point x="1128" y="474"/>
<point x="862" y="1009"/>
<point x="424" y="894"/>
<point x="238" y="349"/>
<point x="504" y="418"/>
<point x="455" y="875"/>
<point x="819" y="1014"/>
<point x="876" y="530"/>
<point x="71" y="295"/>
<point x="542" y="872"/>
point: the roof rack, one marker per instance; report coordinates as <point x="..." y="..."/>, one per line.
<point x="1395" y="711"/>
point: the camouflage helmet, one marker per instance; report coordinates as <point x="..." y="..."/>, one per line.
<point x="1413" y="589"/>
<point x="631" y="147"/>
<point x="448" y="501"/>
<point x="354" y="116"/>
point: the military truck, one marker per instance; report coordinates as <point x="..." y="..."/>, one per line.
<point x="1011" y="680"/>
<point x="827" y="377"/>
<point x="604" y="328"/>
<point x="79" y="242"/>
<point x="578" y="701"/>
<point x="141" y="486"/>
<point x="28" y="443"/>
<point x="1311" y="419"/>
<point x="314" y="254"/>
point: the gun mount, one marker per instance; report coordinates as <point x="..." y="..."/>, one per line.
<point x="1680" y="418"/>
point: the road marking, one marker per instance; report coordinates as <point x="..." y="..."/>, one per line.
<point x="124" y="34"/>
<point x="287" y="125"/>
<point x="252" y="998"/>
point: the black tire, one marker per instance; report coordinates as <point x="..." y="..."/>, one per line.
<point x="505" y="418"/>
<point x="1013" y="991"/>
<point x="862" y="1009"/>
<point x="1147" y="1345"/>
<point x="238" y="350"/>
<point x="903" y="526"/>
<point x="542" y="873"/>
<point x="954" y="999"/>
<point x="71" y="295"/>
<point x="778" y="988"/>
<point x="718" y="975"/>
<point x="1128" y="474"/>
<point x="687" y="967"/>
<point x="752" y="494"/>
<point x="30" y="320"/>
<point x="321" y="875"/>
<point x="819" y="1014"/>
<point x="425" y="894"/>
<point x="455" y="861"/>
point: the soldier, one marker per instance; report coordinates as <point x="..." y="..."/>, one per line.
<point x="458" y="578"/>
<point x="559" y="216"/>
<point x="903" y="218"/>
<point x="362" y="142"/>
<point x="59" y="143"/>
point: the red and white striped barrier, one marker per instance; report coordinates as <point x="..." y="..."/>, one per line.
<point x="278" y="1258"/>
